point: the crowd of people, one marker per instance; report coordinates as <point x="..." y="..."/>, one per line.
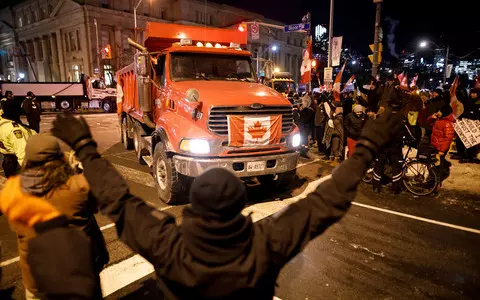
<point x="330" y="123"/>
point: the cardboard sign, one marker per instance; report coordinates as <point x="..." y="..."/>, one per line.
<point x="247" y="131"/>
<point x="468" y="131"/>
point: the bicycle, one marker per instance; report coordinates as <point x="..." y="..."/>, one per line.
<point x="419" y="174"/>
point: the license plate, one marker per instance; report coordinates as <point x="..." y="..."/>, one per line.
<point x="255" y="166"/>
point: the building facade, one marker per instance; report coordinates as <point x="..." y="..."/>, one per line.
<point x="58" y="40"/>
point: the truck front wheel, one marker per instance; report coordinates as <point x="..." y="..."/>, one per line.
<point x="279" y="181"/>
<point x="107" y="106"/>
<point x="172" y="187"/>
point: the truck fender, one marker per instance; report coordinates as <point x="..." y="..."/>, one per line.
<point x="160" y="135"/>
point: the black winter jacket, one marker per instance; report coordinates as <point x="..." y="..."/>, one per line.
<point x="354" y="125"/>
<point x="204" y="259"/>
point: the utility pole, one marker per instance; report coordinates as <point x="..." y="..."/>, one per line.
<point x="445" y="65"/>
<point x="98" y="46"/>
<point x="330" y="35"/>
<point x="377" y="37"/>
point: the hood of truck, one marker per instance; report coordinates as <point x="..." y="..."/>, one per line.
<point x="217" y="93"/>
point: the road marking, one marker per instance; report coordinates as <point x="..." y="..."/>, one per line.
<point x="118" y="276"/>
<point x="135" y="175"/>
<point x="472" y="230"/>
<point x="9" y="261"/>
<point x="308" y="163"/>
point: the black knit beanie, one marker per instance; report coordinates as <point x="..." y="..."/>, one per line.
<point x="217" y="193"/>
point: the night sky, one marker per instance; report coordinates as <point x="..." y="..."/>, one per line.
<point x="456" y="24"/>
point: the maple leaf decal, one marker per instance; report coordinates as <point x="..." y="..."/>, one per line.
<point x="257" y="131"/>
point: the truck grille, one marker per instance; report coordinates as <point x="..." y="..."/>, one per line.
<point x="217" y="120"/>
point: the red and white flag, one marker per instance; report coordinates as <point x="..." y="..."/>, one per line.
<point x="414" y="81"/>
<point x="404" y="82"/>
<point x="247" y="131"/>
<point x="338" y="82"/>
<point x="349" y="81"/>
<point x="306" y="67"/>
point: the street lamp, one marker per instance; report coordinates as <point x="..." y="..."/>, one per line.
<point x="274" y="48"/>
<point x="260" y="53"/>
<point x="135" y="17"/>
<point x="424" y="44"/>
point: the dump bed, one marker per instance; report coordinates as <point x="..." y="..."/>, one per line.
<point x="159" y="36"/>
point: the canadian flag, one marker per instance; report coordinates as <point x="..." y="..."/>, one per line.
<point x="245" y="131"/>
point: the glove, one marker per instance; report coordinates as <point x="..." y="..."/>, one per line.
<point x="378" y="132"/>
<point x="24" y="210"/>
<point x="73" y="131"/>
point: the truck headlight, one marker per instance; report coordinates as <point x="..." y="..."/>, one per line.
<point x="296" y="140"/>
<point x="195" y="146"/>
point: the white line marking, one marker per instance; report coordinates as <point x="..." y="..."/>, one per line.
<point x="135" y="175"/>
<point x="117" y="276"/>
<point x="9" y="261"/>
<point x="472" y="230"/>
<point x="308" y="163"/>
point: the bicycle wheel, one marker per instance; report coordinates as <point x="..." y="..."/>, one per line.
<point x="420" y="178"/>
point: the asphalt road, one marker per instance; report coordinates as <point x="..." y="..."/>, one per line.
<point x="387" y="247"/>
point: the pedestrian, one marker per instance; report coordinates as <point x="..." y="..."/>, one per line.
<point x="217" y="252"/>
<point x="306" y="114"/>
<point x="13" y="138"/>
<point x="354" y="123"/>
<point x="471" y="112"/>
<point x="8" y="96"/>
<point x="391" y="153"/>
<point x="47" y="174"/>
<point x="33" y="110"/>
<point x="431" y="107"/>
<point x="442" y="136"/>
<point x="320" y="119"/>
<point x="334" y="134"/>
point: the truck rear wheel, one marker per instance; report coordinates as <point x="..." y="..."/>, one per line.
<point x="127" y="142"/>
<point x="107" y="106"/>
<point x="172" y="187"/>
<point x="279" y="181"/>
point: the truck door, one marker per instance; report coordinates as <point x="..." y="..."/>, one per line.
<point x="161" y="82"/>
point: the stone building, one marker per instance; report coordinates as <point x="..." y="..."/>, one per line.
<point x="58" y="40"/>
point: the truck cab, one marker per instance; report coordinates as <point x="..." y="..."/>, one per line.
<point x="282" y="82"/>
<point x="191" y="104"/>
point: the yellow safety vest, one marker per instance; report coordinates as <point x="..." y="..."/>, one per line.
<point x="13" y="138"/>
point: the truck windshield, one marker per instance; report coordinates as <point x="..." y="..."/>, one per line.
<point x="200" y="66"/>
<point x="283" y="86"/>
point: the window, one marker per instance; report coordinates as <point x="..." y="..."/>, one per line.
<point x="200" y="17"/>
<point x="44" y="12"/>
<point x="104" y="3"/>
<point x="163" y="14"/>
<point x="288" y="40"/>
<point x="125" y="36"/>
<point x="36" y="14"/>
<point x="72" y="40"/>
<point x="38" y="45"/>
<point x="160" y="69"/>
<point x="105" y="37"/>
<point x="196" y="66"/>
<point x="20" y="21"/>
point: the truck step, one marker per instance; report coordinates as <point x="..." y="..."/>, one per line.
<point x="148" y="160"/>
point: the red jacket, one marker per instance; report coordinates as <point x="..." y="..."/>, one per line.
<point x="442" y="133"/>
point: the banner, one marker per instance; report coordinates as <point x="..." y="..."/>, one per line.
<point x="245" y="131"/>
<point x="336" y="50"/>
<point x="449" y="70"/>
<point x="306" y="68"/>
<point x="349" y="85"/>
<point x="468" y="131"/>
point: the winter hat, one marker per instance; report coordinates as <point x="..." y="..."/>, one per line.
<point x="217" y="193"/>
<point x="42" y="148"/>
<point x="446" y="110"/>
<point x="12" y="110"/>
<point x="358" y="108"/>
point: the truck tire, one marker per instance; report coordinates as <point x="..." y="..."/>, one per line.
<point x="137" y="145"/>
<point x="107" y="106"/>
<point x="172" y="187"/>
<point x="279" y="182"/>
<point x="127" y="142"/>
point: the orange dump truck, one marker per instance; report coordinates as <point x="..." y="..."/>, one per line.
<point x="192" y="101"/>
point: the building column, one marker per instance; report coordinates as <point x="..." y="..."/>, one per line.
<point x="53" y="48"/>
<point x="46" y="59"/>
<point x="61" y="60"/>
<point x="118" y="47"/>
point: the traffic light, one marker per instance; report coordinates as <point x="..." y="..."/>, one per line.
<point x="107" y="52"/>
